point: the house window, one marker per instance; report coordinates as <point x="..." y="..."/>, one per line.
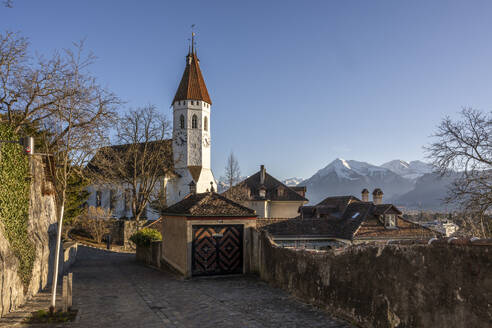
<point x="194" y="122"/>
<point x="98" y="198"/>
<point x="262" y="193"/>
<point x="389" y="221"/>
<point x="112" y="199"/>
<point x="182" y="121"/>
<point x="205" y="123"/>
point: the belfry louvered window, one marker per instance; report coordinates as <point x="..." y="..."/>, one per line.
<point x="205" y="123"/>
<point x="194" y="122"/>
<point x="182" y="121"/>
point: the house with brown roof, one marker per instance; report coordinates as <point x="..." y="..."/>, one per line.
<point x="347" y="220"/>
<point x="207" y="234"/>
<point x="269" y="197"/>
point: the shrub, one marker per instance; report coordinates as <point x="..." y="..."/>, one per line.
<point x="145" y="236"/>
<point x="96" y="222"/>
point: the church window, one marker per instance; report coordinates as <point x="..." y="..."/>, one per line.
<point x="192" y="102"/>
<point x="205" y="123"/>
<point x="194" y="122"/>
<point x="98" y="198"/>
<point x="128" y="200"/>
<point x="112" y="199"/>
<point x="182" y="121"/>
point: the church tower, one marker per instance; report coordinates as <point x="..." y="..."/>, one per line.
<point x="191" y="129"/>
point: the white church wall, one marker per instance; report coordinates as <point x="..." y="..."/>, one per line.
<point x="118" y="211"/>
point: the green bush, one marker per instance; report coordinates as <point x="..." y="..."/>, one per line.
<point x="14" y="201"/>
<point x="145" y="236"/>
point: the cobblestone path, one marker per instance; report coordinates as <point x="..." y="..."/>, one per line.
<point x="112" y="290"/>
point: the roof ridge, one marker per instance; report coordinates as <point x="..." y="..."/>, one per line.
<point x="230" y="201"/>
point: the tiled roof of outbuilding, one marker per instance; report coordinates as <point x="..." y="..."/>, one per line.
<point x="208" y="204"/>
<point x="192" y="85"/>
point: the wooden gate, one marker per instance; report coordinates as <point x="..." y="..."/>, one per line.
<point x="217" y="249"/>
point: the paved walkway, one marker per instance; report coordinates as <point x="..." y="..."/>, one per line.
<point x="112" y="290"/>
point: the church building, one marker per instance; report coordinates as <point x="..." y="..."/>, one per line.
<point x="191" y="143"/>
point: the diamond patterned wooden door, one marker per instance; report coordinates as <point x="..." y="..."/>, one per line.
<point x="217" y="249"/>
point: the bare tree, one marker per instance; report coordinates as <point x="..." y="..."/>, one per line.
<point x="232" y="171"/>
<point x="76" y="128"/>
<point x="96" y="222"/>
<point x="30" y="90"/>
<point x="465" y="146"/>
<point x="141" y="160"/>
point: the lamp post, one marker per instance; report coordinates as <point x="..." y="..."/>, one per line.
<point x="26" y="142"/>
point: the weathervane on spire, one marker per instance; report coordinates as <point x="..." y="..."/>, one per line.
<point x="192" y="38"/>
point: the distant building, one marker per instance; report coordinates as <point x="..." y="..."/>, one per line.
<point x="447" y="228"/>
<point x="346" y="219"/>
<point x="269" y="197"/>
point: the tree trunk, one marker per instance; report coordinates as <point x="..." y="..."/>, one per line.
<point x="57" y="257"/>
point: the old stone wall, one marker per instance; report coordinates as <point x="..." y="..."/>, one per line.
<point x="437" y="285"/>
<point x="42" y="228"/>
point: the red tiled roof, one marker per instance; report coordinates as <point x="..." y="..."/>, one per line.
<point x="208" y="204"/>
<point x="192" y="85"/>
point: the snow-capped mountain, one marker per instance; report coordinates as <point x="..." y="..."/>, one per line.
<point x="342" y="177"/>
<point x="292" y="182"/>
<point x="223" y="184"/>
<point x="410" y="170"/>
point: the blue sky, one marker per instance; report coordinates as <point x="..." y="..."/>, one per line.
<point x="294" y="84"/>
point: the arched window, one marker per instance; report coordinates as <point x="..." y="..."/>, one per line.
<point x="182" y="121"/>
<point x="205" y="123"/>
<point x="194" y="122"/>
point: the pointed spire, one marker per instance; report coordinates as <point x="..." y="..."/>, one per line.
<point x="192" y="85"/>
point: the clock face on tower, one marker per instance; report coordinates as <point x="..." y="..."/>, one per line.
<point x="180" y="138"/>
<point x="206" y="142"/>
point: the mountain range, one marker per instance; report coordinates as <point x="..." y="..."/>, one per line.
<point x="409" y="184"/>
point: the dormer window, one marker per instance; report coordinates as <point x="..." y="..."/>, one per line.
<point x="194" y="122"/>
<point x="280" y="192"/>
<point x="182" y="121"/>
<point x="262" y="191"/>
<point x="389" y="221"/>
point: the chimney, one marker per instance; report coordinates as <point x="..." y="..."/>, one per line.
<point x="377" y="196"/>
<point x="262" y="174"/>
<point x="365" y="195"/>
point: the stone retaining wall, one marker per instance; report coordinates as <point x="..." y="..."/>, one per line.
<point x="42" y="229"/>
<point x="438" y="285"/>
<point x="150" y="255"/>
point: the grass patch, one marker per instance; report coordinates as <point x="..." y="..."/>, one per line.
<point x="43" y="316"/>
